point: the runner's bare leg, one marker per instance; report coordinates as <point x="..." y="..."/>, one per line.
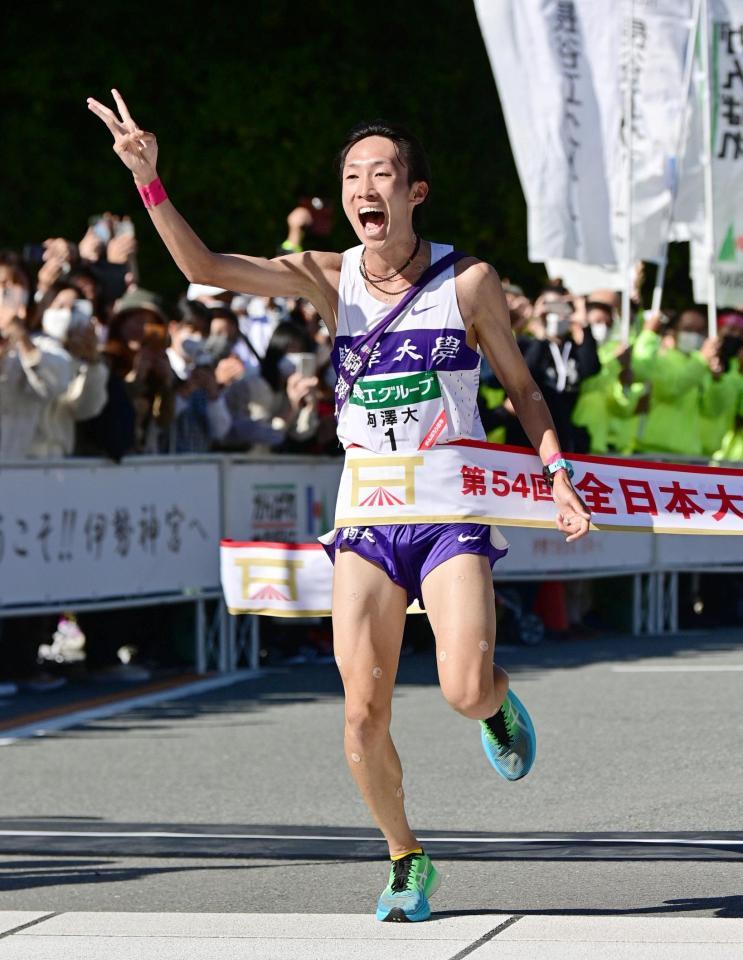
<point x="368" y="621"/>
<point x="460" y="602"/>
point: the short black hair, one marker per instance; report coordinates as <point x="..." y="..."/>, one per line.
<point x="600" y="305"/>
<point x="408" y="148"/>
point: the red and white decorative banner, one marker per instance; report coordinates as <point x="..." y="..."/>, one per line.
<point x="483" y="483"/>
<point x="469" y="481"/>
<point x="276" y="579"/>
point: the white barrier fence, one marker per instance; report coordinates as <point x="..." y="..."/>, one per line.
<point x="88" y="534"/>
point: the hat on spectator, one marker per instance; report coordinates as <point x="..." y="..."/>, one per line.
<point x="197" y="290"/>
<point x="140" y="299"/>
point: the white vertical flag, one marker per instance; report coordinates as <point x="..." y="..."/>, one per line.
<point x="561" y="67"/>
<point x="656" y="37"/>
<point x="545" y="59"/>
<point x="726" y="95"/>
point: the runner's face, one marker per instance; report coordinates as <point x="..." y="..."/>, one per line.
<point x="377" y="198"/>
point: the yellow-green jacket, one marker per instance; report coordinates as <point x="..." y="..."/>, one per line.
<point x="605" y="408"/>
<point x="720" y="404"/>
<point x="677" y="381"/>
<point x="731" y="446"/>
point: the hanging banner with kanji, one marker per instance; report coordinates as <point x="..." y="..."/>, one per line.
<point x="470" y="481"/>
<point x="726" y="95"/>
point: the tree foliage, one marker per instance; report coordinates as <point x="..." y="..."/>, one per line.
<point x="250" y="103"/>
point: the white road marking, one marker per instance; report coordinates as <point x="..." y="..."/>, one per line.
<point x="682" y="668"/>
<point x="42" y="727"/>
<point x="175" y="835"/>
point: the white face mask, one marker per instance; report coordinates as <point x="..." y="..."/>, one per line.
<point x="687" y="341"/>
<point x="600" y="332"/>
<point x="57" y="321"/>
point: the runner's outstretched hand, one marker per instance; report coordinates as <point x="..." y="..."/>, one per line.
<point x="574" y="518"/>
<point x="136" y="149"/>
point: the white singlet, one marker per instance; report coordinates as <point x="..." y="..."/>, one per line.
<point x="421" y="380"/>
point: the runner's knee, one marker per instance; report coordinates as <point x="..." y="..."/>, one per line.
<point x="471" y="697"/>
<point x="367" y="723"/>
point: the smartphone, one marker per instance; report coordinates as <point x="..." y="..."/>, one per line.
<point x="33" y="253"/>
<point x="305" y="364"/>
<point x="563" y="308"/>
<point x="100" y="227"/>
<point x="124" y="227"/>
<point x="322" y="214"/>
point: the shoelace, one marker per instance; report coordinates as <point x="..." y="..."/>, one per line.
<point x="401" y="872"/>
<point x="500" y="728"/>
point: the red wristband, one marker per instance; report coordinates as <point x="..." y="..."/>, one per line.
<point x="153" y="194"/>
<point x="555" y="456"/>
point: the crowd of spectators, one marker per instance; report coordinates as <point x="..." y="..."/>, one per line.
<point x="668" y="389"/>
<point x="93" y="363"/>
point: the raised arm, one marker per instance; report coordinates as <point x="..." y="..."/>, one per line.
<point x="307" y="274"/>
<point x="483" y="304"/>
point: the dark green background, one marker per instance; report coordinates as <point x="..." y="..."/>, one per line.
<point x="250" y="103"/>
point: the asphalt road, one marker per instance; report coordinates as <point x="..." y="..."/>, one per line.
<point x="633" y="806"/>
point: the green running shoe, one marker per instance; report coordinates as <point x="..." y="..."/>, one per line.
<point x="509" y="740"/>
<point x="413" y="879"/>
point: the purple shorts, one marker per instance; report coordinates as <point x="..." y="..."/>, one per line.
<point x="408" y="552"/>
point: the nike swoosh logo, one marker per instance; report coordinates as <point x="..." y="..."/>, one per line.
<point x="421" y="309"/>
<point x="463" y="539"/>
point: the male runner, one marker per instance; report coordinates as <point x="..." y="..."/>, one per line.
<point x="379" y="570"/>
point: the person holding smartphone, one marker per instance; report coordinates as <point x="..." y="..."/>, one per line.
<point x="435" y="337"/>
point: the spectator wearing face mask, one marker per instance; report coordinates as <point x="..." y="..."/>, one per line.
<point x="285" y="395"/>
<point x="608" y="399"/>
<point x="66" y="316"/>
<point x="35" y="371"/>
<point x="226" y="340"/>
<point x="201" y="415"/>
<point x="676" y="361"/>
<point x="560" y="357"/>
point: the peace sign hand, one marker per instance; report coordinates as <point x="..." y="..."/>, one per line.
<point x="136" y="149"/>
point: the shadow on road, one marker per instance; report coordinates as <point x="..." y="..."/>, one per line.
<point x="716" y="906"/>
<point x="60" y="836"/>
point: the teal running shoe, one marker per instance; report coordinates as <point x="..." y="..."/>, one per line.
<point x="509" y="740"/>
<point x="413" y="879"/>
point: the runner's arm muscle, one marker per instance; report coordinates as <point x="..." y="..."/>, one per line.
<point x="310" y="275"/>
<point x="483" y="306"/>
<point x="293" y="275"/>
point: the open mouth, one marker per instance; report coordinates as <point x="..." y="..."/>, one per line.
<point x="372" y="221"/>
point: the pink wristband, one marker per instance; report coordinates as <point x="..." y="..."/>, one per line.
<point x="555" y="456"/>
<point x="153" y="194"/>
